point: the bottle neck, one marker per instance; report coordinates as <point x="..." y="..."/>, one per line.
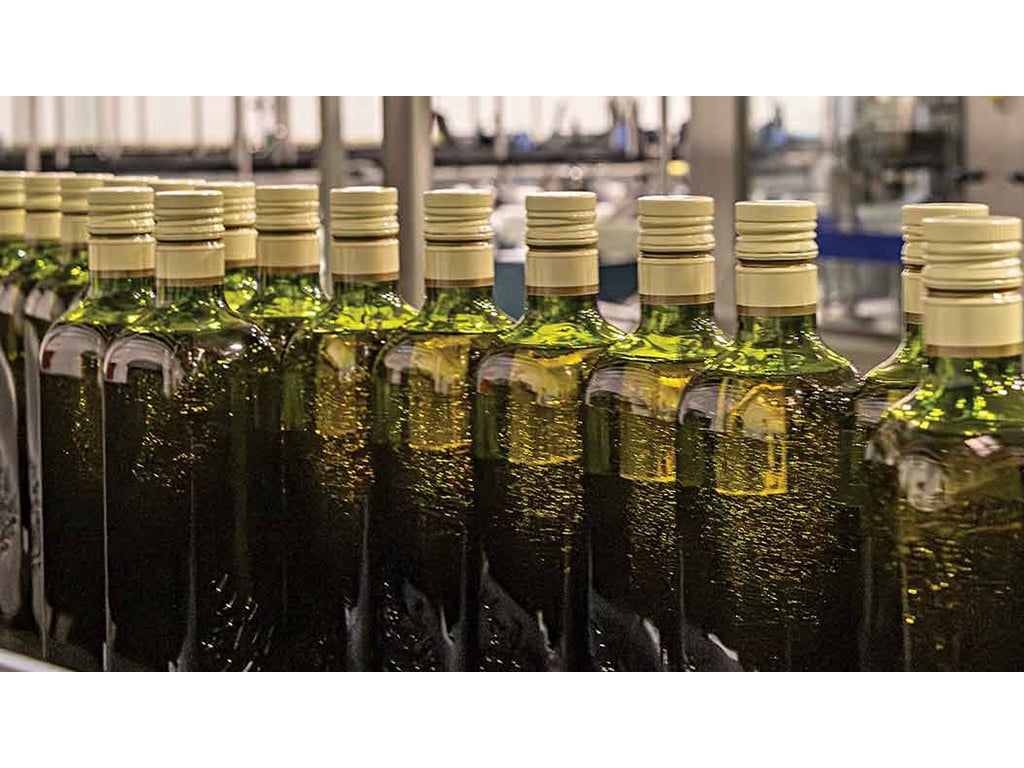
<point x="358" y="294"/>
<point x="674" y="319"/>
<point x="101" y="287"/>
<point x="775" y="331"/>
<point x="190" y="298"/>
<point x="542" y="309"/>
<point x="271" y="282"/>
<point x="442" y="302"/>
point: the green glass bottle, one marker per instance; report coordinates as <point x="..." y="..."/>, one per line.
<point x="326" y="436"/>
<point x="629" y="448"/>
<point x="288" y="293"/>
<point x="15" y="624"/>
<point x="239" y="239"/>
<point x="194" y="525"/>
<point x="19" y="338"/>
<point x="767" y="518"/>
<point x="947" y="583"/>
<point x="528" y="447"/>
<point x="894" y="377"/>
<point x="423" y="494"/>
<point x="121" y="260"/>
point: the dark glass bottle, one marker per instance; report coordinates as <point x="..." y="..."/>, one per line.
<point x="13" y="252"/>
<point x="423" y="491"/>
<point x="19" y="339"/>
<point x="528" y="447"/>
<point x="767" y="519"/>
<point x="629" y="447"/>
<point x="194" y="527"/>
<point x="121" y="260"/>
<point x="326" y="436"/>
<point x="288" y="293"/>
<point x="944" y="468"/>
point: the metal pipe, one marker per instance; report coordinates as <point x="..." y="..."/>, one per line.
<point x="61" y="155"/>
<point x="333" y="172"/>
<point x="33" y="158"/>
<point x="197" y="124"/>
<point x="408" y="166"/>
<point x="664" y="147"/>
<point x="239" y="143"/>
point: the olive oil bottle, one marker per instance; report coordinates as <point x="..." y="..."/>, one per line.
<point x="326" y="435"/>
<point x="159" y="184"/>
<point x="20" y="338"/>
<point x="767" y="519"/>
<point x="130" y="181"/>
<point x="945" y="467"/>
<point x="239" y="239"/>
<point x="15" y="615"/>
<point x="288" y="293"/>
<point x="121" y="255"/>
<point x="894" y="377"/>
<point x="528" y="447"/>
<point x="423" y="494"/>
<point x="194" y="526"/>
<point x="629" y="448"/>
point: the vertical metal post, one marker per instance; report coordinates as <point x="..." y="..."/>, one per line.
<point x="332" y="163"/>
<point x="33" y="158"/>
<point x="142" y="117"/>
<point x="197" y="124"/>
<point x="408" y="166"/>
<point x="500" y="130"/>
<point x="61" y="156"/>
<point x="718" y="167"/>
<point x="664" y="148"/>
<point x="240" y="153"/>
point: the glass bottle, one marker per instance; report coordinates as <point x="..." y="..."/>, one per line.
<point x="528" y="448"/>
<point x="423" y="494"/>
<point x="326" y="435"/>
<point x="121" y="259"/>
<point x="15" y="615"/>
<point x="629" y="449"/>
<point x="895" y="376"/>
<point x="194" y="525"/>
<point x="767" y="518"/>
<point x="288" y="293"/>
<point x="239" y="239"/>
<point x="19" y="339"/>
<point x="947" y="588"/>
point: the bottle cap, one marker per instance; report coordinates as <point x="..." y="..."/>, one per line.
<point x="287" y="208"/>
<point x="121" y="227"/>
<point x="458" y="215"/>
<point x="914" y="214"/>
<point x="174" y="185"/>
<point x="189" y="215"/>
<point x="12" y="189"/>
<point x="676" y="224"/>
<point x="364" y="212"/>
<point x="120" y="211"/>
<point x="129" y="181"/>
<point x="239" y="201"/>
<point x="42" y="192"/>
<point x="776" y="230"/>
<point x="561" y="219"/>
<point x="74" y="189"/>
<point x="972" y="253"/>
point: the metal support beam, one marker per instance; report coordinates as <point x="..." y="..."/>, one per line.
<point x="239" y="143"/>
<point x="33" y="158"/>
<point x="332" y="161"/>
<point x="664" y="146"/>
<point x="408" y="166"/>
<point x="718" y="163"/>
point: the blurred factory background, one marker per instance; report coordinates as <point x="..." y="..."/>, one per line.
<point x="858" y="158"/>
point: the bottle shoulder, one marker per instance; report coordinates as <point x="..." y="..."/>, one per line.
<point x="959" y="410"/>
<point x="581" y="331"/>
<point x="807" y="357"/>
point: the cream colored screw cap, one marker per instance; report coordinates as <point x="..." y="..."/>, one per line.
<point x="776" y="230"/>
<point x="73" y="191"/>
<point x="676" y="224"/>
<point x="12" y="189"/>
<point x="174" y="185"/>
<point x="914" y="214"/>
<point x="364" y="212"/>
<point x="120" y="211"/>
<point x="42" y="192"/>
<point x="239" y="201"/>
<point x="287" y="208"/>
<point x="972" y="254"/>
<point x="458" y="215"/>
<point x="130" y="181"/>
<point x="561" y="219"/>
<point x="189" y="215"/>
